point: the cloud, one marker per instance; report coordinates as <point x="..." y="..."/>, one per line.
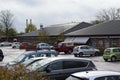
<point x="48" y="12"/>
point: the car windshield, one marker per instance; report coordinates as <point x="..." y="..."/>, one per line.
<point x="107" y="51"/>
<point x="27" y="62"/>
<point x="20" y="58"/>
<point x="76" y="78"/>
<point x="38" y="64"/>
<point x="76" y="48"/>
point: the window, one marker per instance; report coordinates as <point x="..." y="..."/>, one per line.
<point x="93" y="42"/>
<point x="114" y="42"/>
<point x="107" y="50"/>
<point x="108" y="78"/>
<point x="31" y="56"/>
<point x="100" y="78"/>
<point x="107" y="43"/>
<point x="116" y="50"/>
<point x="56" y="65"/>
<point x="74" y="64"/>
<point x="84" y="47"/>
<point x="76" y="49"/>
<point x="100" y="43"/>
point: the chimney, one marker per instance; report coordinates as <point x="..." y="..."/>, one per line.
<point x="30" y="21"/>
<point x="41" y="26"/>
<point x="26" y="22"/>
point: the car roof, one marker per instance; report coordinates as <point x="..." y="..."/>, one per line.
<point x="82" y="45"/>
<point x="42" y="43"/>
<point x="67" y="58"/>
<point x="88" y="74"/>
<point x="113" y="48"/>
<point x="40" y="51"/>
<point x="36" y="58"/>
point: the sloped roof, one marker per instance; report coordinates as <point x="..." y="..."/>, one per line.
<point x="59" y="28"/>
<point x="53" y="29"/>
<point x="33" y="33"/>
<point x="78" y="27"/>
<point x="106" y="28"/>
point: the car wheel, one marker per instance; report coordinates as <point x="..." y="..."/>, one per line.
<point x="75" y="55"/>
<point x="96" y="53"/>
<point x="13" y="46"/>
<point x="113" y="58"/>
<point x="66" y="52"/>
<point x="105" y="60"/>
<point x="80" y="54"/>
<point x="69" y="51"/>
<point x="91" y="54"/>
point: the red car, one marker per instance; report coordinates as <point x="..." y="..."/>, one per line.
<point x="25" y="45"/>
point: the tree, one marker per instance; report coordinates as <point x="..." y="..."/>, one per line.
<point x="6" y="20"/>
<point x="30" y="27"/>
<point x="43" y="36"/>
<point x="96" y="22"/>
<point x="12" y="32"/>
<point x="1" y="31"/>
<point x="60" y="37"/>
<point x="108" y="14"/>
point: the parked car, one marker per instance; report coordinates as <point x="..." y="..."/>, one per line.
<point x="32" y="60"/>
<point x="66" y="47"/>
<point x="95" y="75"/>
<point x="112" y="54"/>
<point x="24" y="45"/>
<point x="43" y="46"/>
<point x="85" y="50"/>
<point x="5" y="43"/>
<point x="32" y="54"/>
<point x="15" y="44"/>
<point x="59" y="68"/>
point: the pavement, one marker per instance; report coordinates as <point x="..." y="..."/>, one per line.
<point x="10" y="54"/>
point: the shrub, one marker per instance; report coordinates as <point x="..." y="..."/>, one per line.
<point x="101" y="51"/>
<point x="19" y="73"/>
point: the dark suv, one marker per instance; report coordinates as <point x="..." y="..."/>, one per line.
<point x="59" y="68"/>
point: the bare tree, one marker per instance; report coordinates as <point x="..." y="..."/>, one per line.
<point x="108" y="14"/>
<point x="6" y="20"/>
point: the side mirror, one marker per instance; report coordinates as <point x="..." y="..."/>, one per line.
<point x="48" y="70"/>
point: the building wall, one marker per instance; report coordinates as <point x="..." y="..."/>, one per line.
<point x="104" y="42"/>
<point x="51" y="40"/>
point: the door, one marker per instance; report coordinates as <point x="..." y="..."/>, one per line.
<point x="116" y="52"/>
<point x="72" y="66"/>
<point x="55" y="70"/>
<point x="85" y="50"/>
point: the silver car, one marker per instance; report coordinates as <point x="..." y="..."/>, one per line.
<point x="95" y="75"/>
<point x="85" y="50"/>
<point x="41" y="46"/>
<point x="15" y="44"/>
<point x="5" y="43"/>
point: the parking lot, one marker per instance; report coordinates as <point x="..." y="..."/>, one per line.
<point x="10" y="54"/>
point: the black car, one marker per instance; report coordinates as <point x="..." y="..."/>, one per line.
<point x="1" y="55"/>
<point x="59" y="68"/>
<point x="32" y="54"/>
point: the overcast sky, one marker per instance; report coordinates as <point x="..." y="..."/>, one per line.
<point x="49" y="12"/>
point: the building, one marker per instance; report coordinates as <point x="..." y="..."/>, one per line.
<point x="102" y="35"/>
<point x="55" y="32"/>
